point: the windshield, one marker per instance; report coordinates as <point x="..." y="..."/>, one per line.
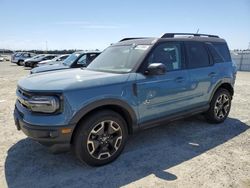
<point x="118" y="58"/>
<point x="69" y="60"/>
<point x="37" y="56"/>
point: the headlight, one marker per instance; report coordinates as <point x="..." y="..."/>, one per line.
<point x="45" y="104"/>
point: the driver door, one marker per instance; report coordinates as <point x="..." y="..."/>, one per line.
<point x="163" y="95"/>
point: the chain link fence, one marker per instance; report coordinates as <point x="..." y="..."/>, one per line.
<point x="242" y="61"/>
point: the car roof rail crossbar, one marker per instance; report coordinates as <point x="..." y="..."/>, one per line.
<point x="132" y="38"/>
<point x="172" y="35"/>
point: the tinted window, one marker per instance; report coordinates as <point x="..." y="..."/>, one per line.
<point x="91" y="57"/>
<point x="168" y="54"/>
<point x="217" y="57"/>
<point x="222" y="49"/>
<point x="197" y="55"/>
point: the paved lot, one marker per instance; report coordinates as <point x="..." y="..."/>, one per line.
<point x="185" y="153"/>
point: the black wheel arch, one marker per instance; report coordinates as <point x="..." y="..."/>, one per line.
<point x="225" y="85"/>
<point x="116" y="105"/>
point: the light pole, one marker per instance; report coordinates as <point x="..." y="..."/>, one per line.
<point x="46" y="44"/>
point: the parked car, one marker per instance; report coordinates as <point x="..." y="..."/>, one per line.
<point x="53" y="61"/>
<point x="132" y="85"/>
<point x="75" y="60"/>
<point x="20" y="57"/>
<point x="34" y="61"/>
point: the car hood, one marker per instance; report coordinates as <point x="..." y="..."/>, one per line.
<point x="46" y="68"/>
<point x="69" y="79"/>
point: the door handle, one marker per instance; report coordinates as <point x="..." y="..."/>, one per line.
<point x="212" y="74"/>
<point x="179" y="79"/>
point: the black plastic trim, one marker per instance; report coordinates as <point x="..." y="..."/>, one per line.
<point x="173" y="117"/>
<point x="105" y="102"/>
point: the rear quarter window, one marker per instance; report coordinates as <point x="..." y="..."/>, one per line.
<point x="222" y="50"/>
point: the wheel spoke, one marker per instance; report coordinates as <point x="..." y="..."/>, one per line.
<point x="104" y="155"/>
<point x="99" y="129"/>
<point x="93" y="145"/>
<point x="226" y="107"/>
<point x="113" y="127"/>
<point x="104" y="139"/>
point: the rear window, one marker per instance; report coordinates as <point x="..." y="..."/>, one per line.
<point x="223" y="50"/>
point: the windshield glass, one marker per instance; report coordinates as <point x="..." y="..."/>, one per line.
<point x="37" y="56"/>
<point x="69" y="60"/>
<point x="118" y="58"/>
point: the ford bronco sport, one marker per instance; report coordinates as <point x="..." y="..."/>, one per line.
<point x="134" y="84"/>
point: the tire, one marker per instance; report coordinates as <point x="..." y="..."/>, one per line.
<point x="219" y="107"/>
<point x="100" y="138"/>
<point x="19" y="63"/>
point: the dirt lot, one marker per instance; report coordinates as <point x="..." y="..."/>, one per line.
<point x="186" y="153"/>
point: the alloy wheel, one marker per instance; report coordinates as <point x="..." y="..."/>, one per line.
<point x="222" y="106"/>
<point x="104" y="139"/>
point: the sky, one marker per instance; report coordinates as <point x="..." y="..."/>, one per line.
<point x="86" y="24"/>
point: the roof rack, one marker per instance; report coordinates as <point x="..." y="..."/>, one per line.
<point x="171" y="35"/>
<point x="124" y="39"/>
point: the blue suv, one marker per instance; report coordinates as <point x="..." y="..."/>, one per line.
<point x="134" y="84"/>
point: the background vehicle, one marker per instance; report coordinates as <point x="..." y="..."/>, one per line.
<point x="19" y="57"/>
<point x="34" y="61"/>
<point x="53" y="61"/>
<point x="75" y="60"/>
<point x="132" y="85"/>
<point x="1" y="58"/>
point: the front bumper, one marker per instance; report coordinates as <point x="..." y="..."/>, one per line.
<point x="50" y="136"/>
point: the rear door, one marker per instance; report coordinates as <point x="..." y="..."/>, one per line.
<point x="202" y="73"/>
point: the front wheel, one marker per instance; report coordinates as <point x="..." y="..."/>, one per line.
<point x="19" y="63"/>
<point x="219" y="107"/>
<point x="100" y="138"/>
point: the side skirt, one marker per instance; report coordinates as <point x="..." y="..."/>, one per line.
<point x="173" y="117"/>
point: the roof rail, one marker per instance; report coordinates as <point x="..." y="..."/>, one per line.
<point x="171" y="35"/>
<point x="124" y="39"/>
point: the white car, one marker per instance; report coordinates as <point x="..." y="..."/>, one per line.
<point x="53" y="61"/>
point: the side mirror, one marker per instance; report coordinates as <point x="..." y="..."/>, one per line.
<point x="155" y="69"/>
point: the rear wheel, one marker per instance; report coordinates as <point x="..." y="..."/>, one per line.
<point x="100" y="138"/>
<point x="219" y="106"/>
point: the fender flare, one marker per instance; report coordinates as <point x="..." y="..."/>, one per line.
<point x="218" y="85"/>
<point x="105" y="102"/>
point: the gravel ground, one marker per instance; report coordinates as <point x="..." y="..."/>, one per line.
<point x="185" y="153"/>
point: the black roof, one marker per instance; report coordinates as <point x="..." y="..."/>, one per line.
<point x="171" y="37"/>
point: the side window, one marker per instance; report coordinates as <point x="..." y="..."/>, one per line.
<point x="82" y="60"/>
<point x="26" y="55"/>
<point x="91" y="57"/>
<point x="50" y="57"/>
<point x="197" y="55"/>
<point x="223" y="50"/>
<point x="217" y="57"/>
<point x="168" y="54"/>
<point x="63" y="58"/>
